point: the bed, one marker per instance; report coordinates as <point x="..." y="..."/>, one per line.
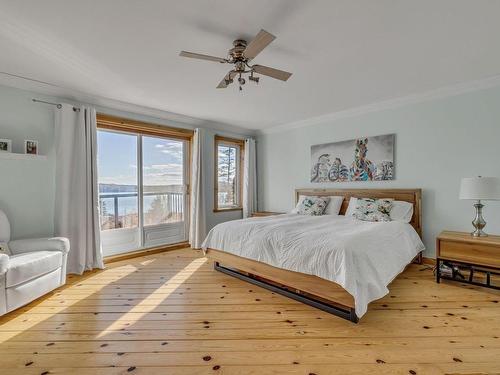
<point x="332" y="262"/>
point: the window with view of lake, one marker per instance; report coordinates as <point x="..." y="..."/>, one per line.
<point x="163" y="180"/>
<point x="141" y="187"/>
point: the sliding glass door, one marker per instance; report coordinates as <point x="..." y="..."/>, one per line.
<point x="117" y="155"/>
<point x="142" y="185"/>
<point x="163" y="190"/>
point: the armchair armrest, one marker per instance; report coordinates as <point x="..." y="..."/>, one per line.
<point x="39" y="244"/>
<point x="4" y="263"/>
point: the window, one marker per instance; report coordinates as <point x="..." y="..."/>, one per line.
<point x="118" y="185"/>
<point x="143" y="175"/>
<point x="162" y="180"/>
<point x="228" y="173"/>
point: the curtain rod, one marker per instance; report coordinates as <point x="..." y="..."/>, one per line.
<point x="58" y="105"/>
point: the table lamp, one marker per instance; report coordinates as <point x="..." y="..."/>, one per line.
<point x="478" y="189"/>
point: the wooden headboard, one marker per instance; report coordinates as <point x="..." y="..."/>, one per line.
<point x="413" y="196"/>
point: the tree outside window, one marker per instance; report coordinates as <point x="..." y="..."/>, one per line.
<point x="228" y="173"/>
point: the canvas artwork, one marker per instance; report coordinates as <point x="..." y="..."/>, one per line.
<point x="361" y="159"/>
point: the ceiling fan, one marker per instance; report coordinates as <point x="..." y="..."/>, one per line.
<point x="240" y="56"/>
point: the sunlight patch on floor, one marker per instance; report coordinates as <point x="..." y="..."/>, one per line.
<point x="145" y="306"/>
<point x="6" y="333"/>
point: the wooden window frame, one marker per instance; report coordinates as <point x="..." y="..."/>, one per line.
<point x="132" y="126"/>
<point x="109" y="122"/>
<point x="230" y="142"/>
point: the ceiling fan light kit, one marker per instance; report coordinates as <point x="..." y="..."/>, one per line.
<point x="240" y="56"/>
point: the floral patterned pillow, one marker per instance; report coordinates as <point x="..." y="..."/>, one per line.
<point x="368" y="209"/>
<point x="313" y="206"/>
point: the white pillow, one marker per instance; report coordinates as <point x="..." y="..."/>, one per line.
<point x="299" y="203"/>
<point x="401" y="210"/>
<point x="334" y="206"/>
<point x="351" y="207"/>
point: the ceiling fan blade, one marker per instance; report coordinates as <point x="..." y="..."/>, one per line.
<point x="202" y="57"/>
<point x="230" y="75"/>
<point x="271" y="72"/>
<point x="261" y="41"/>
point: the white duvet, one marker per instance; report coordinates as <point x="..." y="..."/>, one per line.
<point x="362" y="257"/>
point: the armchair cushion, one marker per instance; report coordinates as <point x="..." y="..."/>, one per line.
<point x="27" y="266"/>
<point x="39" y="244"/>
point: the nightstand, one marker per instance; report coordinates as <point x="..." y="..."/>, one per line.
<point x="265" y="213"/>
<point x="472" y="254"/>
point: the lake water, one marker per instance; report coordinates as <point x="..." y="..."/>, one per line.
<point x="129" y="205"/>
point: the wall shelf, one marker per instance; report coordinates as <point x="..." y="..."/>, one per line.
<point x="17" y="156"/>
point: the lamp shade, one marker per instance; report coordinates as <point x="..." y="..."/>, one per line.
<point x="480" y="188"/>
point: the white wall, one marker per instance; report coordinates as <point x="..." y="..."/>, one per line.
<point x="27" y="186"/>
<point x="437" y="143"/>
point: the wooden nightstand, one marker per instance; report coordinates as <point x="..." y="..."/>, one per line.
<point x="265" y="213"/>
<point x="473" y="254"/>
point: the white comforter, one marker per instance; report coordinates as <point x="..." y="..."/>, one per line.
<point x="362" y="257"/>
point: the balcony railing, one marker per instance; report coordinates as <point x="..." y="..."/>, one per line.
<point x="158" y="208"/>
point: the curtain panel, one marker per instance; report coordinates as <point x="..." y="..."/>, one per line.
<point x="197" y="217"/>
<point x="249" y="179"/>
<point x="76" y="209"/>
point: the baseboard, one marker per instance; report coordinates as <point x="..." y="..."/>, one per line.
<point x="144" y="252"/>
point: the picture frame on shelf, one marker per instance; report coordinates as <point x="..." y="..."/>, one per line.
<point x="31" y="147"/>
<point x="5" y="145"/>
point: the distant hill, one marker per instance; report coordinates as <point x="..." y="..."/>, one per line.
<point x="116" y="188"/>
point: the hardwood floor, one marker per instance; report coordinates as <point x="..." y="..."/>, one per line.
<point x="171" y="313"/>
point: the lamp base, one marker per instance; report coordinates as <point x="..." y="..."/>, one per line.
<point x="479" y="233"/>
<point x="478" y="221"/>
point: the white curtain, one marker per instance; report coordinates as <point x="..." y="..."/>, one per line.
<point x="249" y="179"/>
<point x="197" y="225"/>
<point x="76" y="201"/>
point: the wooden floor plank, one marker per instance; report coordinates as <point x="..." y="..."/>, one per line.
<point x="293" y="369"/>
<point x="172" y="313"/>
<point x="327" y="344"/>
<point x="277" y="357"/>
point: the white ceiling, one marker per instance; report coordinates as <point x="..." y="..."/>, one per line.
<point x="343" y="53"/>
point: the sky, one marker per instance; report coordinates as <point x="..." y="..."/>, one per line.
<point x="117" y="159"/>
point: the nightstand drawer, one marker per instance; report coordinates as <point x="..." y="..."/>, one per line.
<point x="476" y="253"/>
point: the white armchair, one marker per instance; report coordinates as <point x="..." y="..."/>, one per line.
<point x="29" y="268"/>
